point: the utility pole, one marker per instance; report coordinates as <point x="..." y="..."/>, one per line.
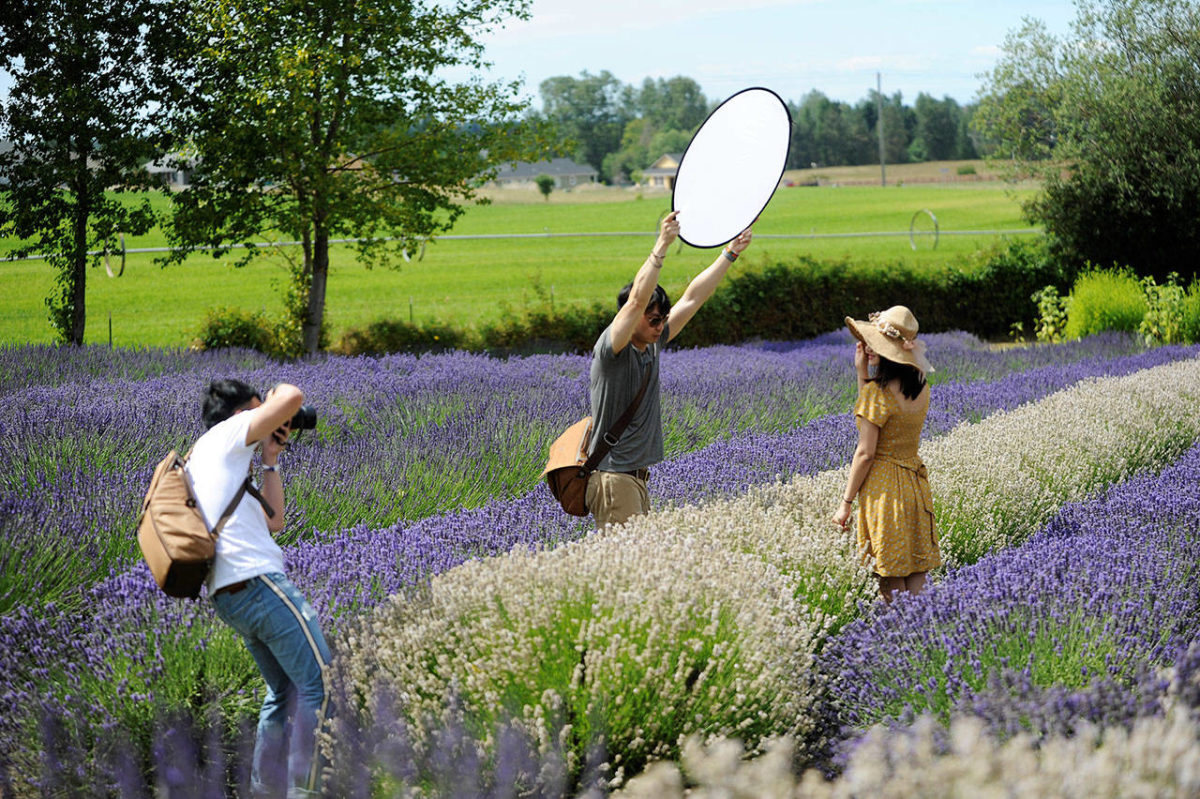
<point x="879" y="127"/>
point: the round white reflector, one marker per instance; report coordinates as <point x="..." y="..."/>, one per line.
<point x="732" y="167"/>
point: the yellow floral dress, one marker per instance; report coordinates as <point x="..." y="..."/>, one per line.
<point x="895" y="506"/>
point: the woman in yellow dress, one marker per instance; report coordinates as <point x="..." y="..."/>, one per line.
<point x="896" y="536"/>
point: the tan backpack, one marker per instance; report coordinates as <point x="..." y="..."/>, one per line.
<point x="172" y="532"/>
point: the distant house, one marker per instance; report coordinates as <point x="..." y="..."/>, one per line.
<point x="661" y="174"/>
<point x="566" y="173"/>
<point x="171" y="176"/>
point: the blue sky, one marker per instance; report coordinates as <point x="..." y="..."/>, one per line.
<point x="835" y="46"/>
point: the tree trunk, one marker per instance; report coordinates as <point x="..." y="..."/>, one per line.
<point x="316" y="290"/>
<point x="78" y="265"/>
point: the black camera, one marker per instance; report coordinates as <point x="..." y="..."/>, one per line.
<point x="305" y="418"/>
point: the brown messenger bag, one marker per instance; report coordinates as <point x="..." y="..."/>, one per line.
<point x="172" y="532"/>
<point x="569" y="465"/>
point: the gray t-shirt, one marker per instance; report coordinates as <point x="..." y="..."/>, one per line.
<point x="615" y="380"/>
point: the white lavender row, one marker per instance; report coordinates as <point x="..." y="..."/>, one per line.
<point x="702" y="620"/>
<point x="91" y="663"/>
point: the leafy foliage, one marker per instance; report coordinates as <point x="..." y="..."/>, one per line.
<point x="1164" y="319"/>
<point x="1104" y="300"/>
<point x="781" y="301"/>
<point x="1108" y="119"/>
<point x="85" y="74"/>
<point x="587" y="112"/>
<point x="1190" y="312"/>
<point x="328" y="119"/>
<point x="389" y="335"/>
<point x="1052" y="314"/>
<point x="234" y="327"/>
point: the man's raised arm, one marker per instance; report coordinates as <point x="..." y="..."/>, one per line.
<point x="705" y="283"/>
<point x="644" y="284"/>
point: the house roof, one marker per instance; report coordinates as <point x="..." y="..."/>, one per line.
<point x="665" y="164"/>
<point x="555" y="167"/>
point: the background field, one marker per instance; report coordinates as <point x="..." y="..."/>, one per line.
<point x="466" y="281"/>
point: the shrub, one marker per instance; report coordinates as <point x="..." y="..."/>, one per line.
<point x="1052" y="314"/>
<point x="1190" y="314"/>
<point x="1163" y="322"/>
<point x="233" y="327"/>
<point x="390" y="335"/>
<point x="1105" y="300"/>
<point x="805" y="298"/>
<point x="545" y="328"/>
<point x="777" y="301"/>
<point x="966" y="169"/>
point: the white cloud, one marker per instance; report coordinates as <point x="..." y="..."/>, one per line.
<point x="860" y="62"/>
<point x="564" y="18"/>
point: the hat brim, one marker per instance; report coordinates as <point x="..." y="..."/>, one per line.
<point x="888" y="347"/>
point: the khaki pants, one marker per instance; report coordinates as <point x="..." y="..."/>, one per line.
<point x="613" y="497"/>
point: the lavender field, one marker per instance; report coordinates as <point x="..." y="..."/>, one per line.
<point x="487" y="643"/>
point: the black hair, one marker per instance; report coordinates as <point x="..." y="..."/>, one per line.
<point x="910" y="377"/>
<point x="223" y="398"/>
<point x="658" y="299"/>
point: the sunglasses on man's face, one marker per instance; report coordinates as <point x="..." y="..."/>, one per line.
<point x="656" y="320"/>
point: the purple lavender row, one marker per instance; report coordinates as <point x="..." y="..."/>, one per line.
<point x="372" y="564"/>
<point x="409" y="436"/>
<point x="1074" y="625"/>
<point x="404" y="434"/>
<point x="53" y="365"/>
<point x="123" y="641"/>
<point x="376" y="562"/>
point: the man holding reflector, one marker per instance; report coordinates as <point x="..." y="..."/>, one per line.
<point x="625" y="368"/>
<point x="725" y="179"/>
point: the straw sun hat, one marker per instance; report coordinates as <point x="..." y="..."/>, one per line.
<point x="892" y="334"/>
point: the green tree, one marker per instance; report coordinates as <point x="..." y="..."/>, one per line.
<point x="899" y="128"/>
<point x="937" y="126"/>
<point x="77" y="119"/>
<point x="545" y="185"/>
<point x="672" y="103"/>
<point x="1108" y="118"/>
<point x="589" y="112"/>
<point x="829" y="132"/>
<point x="965" y="139"/>
<point x="668" y="141"/>
<point x="319" y="119"/>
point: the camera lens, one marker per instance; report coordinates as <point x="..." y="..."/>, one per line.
<point x="305" y="418"/>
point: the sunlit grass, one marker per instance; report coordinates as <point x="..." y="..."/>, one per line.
<point x="465" y="282"/>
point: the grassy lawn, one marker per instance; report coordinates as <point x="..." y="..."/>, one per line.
<point x="465" y="281"/>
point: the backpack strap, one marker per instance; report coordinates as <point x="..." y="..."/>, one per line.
<point x="613" y="435"/>
<point x="245" y="488"/>
<point x="254" y="492"/>
<point x="230" y="508"/>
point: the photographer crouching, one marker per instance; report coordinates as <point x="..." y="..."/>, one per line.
<point x="246" y="583"/>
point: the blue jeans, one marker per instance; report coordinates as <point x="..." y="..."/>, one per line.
<point x="281" y="631"/>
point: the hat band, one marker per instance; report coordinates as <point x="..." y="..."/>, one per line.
<point x="888" y="329"/>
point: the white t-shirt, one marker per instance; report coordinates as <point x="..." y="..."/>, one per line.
<point x="219" y="463"/>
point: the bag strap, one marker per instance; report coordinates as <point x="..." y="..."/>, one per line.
<point x="610" y="438"/>
<point x="254" y="492"/>
<point x="230" y="508"/>
<point x="245" y="488"/>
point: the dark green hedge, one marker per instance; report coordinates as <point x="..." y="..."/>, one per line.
<point x="986" y="295"/>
